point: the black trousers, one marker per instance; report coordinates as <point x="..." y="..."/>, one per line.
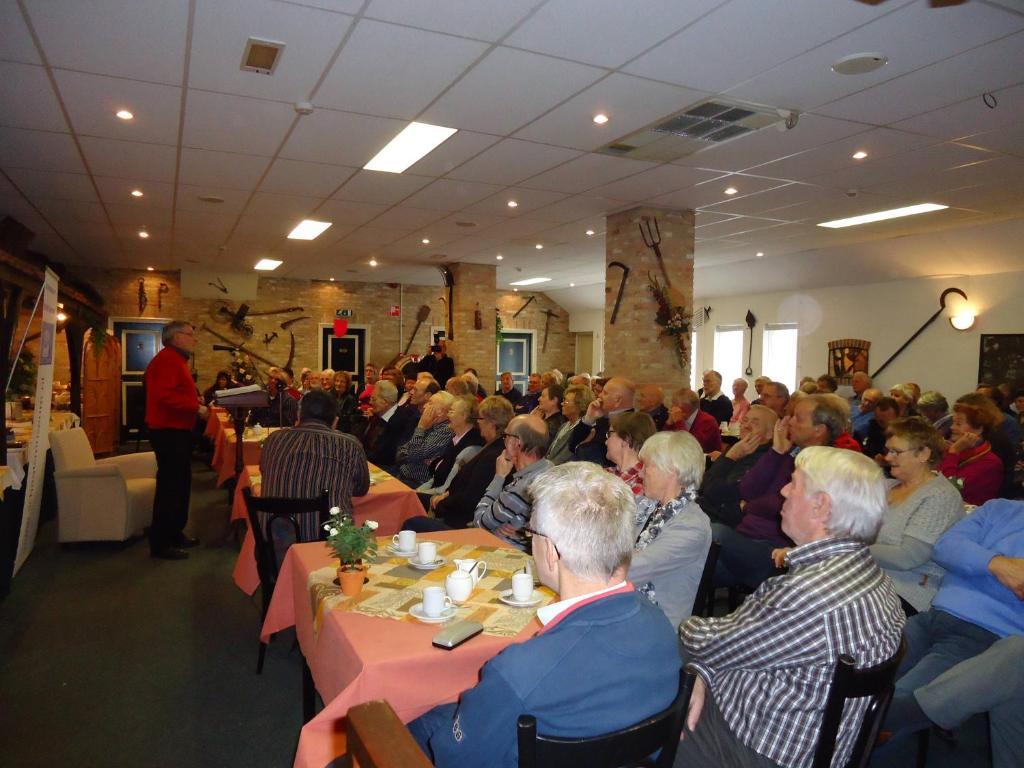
<point x="173" y="449"/>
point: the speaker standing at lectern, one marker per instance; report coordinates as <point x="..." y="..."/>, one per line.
<point x="172" y="404"/>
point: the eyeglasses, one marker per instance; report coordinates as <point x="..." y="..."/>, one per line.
<point x="896" y="451"/>
<point x="509" y="435"/>
<point x="531" y="532"/>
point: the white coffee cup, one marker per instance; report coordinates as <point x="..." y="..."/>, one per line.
<point x="522" y="587"/>
<point x="404" y="541"/>
<point x="435" y="601"/>
<point x="475" y="568"/>
<point x="458" y="585"/>
<point x="426" y="552"/>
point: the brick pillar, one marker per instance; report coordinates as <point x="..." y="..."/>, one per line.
<point x="471" y="348"/>
<point x="632" y="347"/>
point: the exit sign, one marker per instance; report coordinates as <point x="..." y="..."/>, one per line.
<point x="394" y="310"/>
<point x="343" y="313"/>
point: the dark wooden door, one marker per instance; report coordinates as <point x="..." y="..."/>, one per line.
<point x="140" y="341"/>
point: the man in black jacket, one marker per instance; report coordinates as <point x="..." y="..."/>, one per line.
<point x="588" y="438"/>
<point x="388" y="426"/>
<point x="720" y="491"/>
<point x="437" y="363"/>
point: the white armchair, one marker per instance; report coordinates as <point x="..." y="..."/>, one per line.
<point x="106" y="500"/>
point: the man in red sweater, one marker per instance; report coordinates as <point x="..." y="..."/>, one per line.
<point x="172" y="404"/>
<point x="686" y="414"/>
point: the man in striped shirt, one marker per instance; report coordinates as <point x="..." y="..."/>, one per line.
<point x="299" y="463"/>
<point x="769" y="664"/>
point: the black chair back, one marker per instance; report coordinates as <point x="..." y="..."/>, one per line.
<point x="627" y="747"/>
<point x="848" y="682"/>
<point x="704" y="600"/>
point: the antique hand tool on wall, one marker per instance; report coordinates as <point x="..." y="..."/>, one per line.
<point x="143" y="301"/>
<point x="547" y="327"/>
<point x="518" y="311"/>
<point x="164" y="288"/>
<point x="622" y="287"/>
<point x="421" y="314"/>
<point x="751" y="322"/>
<point x="652" y="239"/>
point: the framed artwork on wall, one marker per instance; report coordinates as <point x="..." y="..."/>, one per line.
<point x="847" y="357"/>
<point x="1001" y="359"/>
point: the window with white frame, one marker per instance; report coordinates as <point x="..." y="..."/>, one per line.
<point x="778" y="354"/>
<point x="728" y="357"/>
<point x="693" y="360"/>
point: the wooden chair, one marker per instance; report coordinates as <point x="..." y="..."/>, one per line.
<point x="627" y="747"/>
<point x="376" y="738"/>
<point x="704" y="600"/>
<point x="876" y="683"/>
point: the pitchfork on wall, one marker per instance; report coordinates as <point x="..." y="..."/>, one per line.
<point x="652" y="239"/>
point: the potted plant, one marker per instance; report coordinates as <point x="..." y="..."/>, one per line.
<point x="350" y="543"/>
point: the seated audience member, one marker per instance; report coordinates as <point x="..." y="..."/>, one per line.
<point x="506" y="505"/>
<point x="649" y="399"/>
<point x="290" y="388"/>
<point x="549" y="408"/>
<point x="457" y="386"/>
<point x="574" y="405"/>
<point x="886" y="412"/>
<point x="740" y="404"/>
<point x="686" y="415"/>
<point x="860" y="383"/>
<point x="720" y="492"/>
<point x="933" y="407"/>
<point x="369" y="379"/>
<point x="597" y="385"/>
<point x="969" y="459"/>
<point x="346" y="400"/>
<point x="508" y="390"/>
<point x="862" y="412"/>
<point x="454" y="508"/>
<point x="327" y="379"/>
<point x="473" y="379"/>
<point x="466" y="443"/>
<point x="759" y="383"/>
<point x="1007" y="427"/>
<point x="746" y="554"/>
<point x="826" y="385"/>
<point x="223" y="381"/>
<point x="842" y="406"/>
<point x="387" y="427"/>
<point x="554" y="377"/>
<point x="809" y="386"/>
<point x="437" y="363"/>
<point x="713" y="401"/>
<point x="775" y="396"/>
<point x="765" y="671"/>
<point x="673" y="534"/>
<point x="581" y="380"/>
<point x="532" y="395"/>
<point x="627" y="434"/>
<point x="966" y="654"/>
<point x="903" y="394"/>
<point x="306" y="379"/>
<point x="299" y="463"/>
<point x="578" y="676"/>
<point x="588" y="438"/>
<point x="281" y="409"/>
<point x="1018" y="405"/>
<point x="423" y="388"/>
<point x="430" y="438"/>
<point x="922" y="505"/>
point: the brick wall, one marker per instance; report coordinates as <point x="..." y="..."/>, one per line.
<point x="561" y="348"/>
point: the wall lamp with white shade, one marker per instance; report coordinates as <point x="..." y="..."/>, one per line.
<point x="962" y="320"/>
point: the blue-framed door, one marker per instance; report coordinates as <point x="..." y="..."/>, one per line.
<point x="344" y="353"/>
<point x="140" y="341"/>
<point x="515" y="354"/>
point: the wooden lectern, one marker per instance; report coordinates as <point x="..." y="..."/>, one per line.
<point x="238" y="402"/>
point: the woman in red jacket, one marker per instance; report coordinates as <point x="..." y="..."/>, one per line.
<point x="969" y="459"/>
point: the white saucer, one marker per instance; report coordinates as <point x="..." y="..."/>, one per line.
<point x="427" y="566"/>
<point x="392" y="549"/>
<point x="417" y="613"/>
<point x="507" y="599"/>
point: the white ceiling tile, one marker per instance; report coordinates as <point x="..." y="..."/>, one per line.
<point x="126" y="216"/>
<point x="986" y="68"/>
<point x="222" y="28"/>
<point x="342" y="138"/>
<point x="124" y="38"/>
<point x="39" y="150"/>
<point x="345" y="215"/>
<point x="657" y="181"/>
<point x="594" y="31"/>
<point x="770" y="32"/>
<point x="912" y="37"/>
<point x="188" y="199"/>
<point x="6" y="188"/>
<point x="222" y="169"/>
<point x="587" y="172"/>
<point x="450" y="194"/>
<point x="15" y="41"/>
<point x="381" y="188"/>
<point x="508" y="89"/>
<point x="1009" y="140"/>
<point x="510" y="161"/>
<point x="711" y="192"/>
<point x="456" y="17"/>
<point x="28" y="98"/>
<point x="230" y="123"/>
<point x="529" y="200"/>
<point x="737" y="225"/>
<point x="416" y="65"/>
<point x="452" y="153"/>
<point x="92" y="100"/>
<point x="406" y="218"/>
<point x="118" y="191"/>
<point x="1005" y="171"/>
<point x="289" y="206"/>
<point x="57" y="186"/>
<point x="62" y="212"/>
<point x="970" y="116"/>
<point x="577" y="207"/>
<point x="293" y="177"/>
<point x="513" y="229"/>
<point x="129" y="159"/>
<point x="203" y="225"/>
<point x="350" y="7"/>
<point x="778" y="203"/>
<point x="371" y="238"/>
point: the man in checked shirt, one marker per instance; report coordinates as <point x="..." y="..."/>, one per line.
<point x="764" y="671"/>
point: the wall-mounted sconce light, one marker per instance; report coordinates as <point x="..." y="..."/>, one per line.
<point x="962" y="320"/>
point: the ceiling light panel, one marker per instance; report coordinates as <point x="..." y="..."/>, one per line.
<point x="893" y="213"/>
<point x="413" y="142"/>
<point x="532" y="281"/>
<point x="309" y="229"/>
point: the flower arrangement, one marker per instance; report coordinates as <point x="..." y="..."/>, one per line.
<point x="350" y="543"/>
<point x="672" y="317"/>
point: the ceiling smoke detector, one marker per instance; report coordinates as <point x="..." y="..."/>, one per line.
<point x="261" y="56"/>
<point x="860" y="63"/>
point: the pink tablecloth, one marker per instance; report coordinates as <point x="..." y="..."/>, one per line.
<point x="390" y="503"/>
<point x="357" y="658"/>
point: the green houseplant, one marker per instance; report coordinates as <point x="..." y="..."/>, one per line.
<point x="350" y="543"/>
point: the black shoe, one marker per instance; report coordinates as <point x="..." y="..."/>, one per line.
<point x="187" y="542"/>
<point x="169" y="553"/>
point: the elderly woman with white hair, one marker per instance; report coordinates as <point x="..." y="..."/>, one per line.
<point x="673" y="534"/>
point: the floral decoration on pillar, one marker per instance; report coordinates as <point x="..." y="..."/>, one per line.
<point x="672" y="317"/>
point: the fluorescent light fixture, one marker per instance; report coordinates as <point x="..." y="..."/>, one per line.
<point x="532" y="281"/>
<point x="415" y="141"/>
<point x="309" y="229"/>
<point x="267" y="265"/>
<point x="895" y="213"/>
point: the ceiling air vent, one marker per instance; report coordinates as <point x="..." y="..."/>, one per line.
<point x="690" y="130"/>
<point x="261" y="56"/>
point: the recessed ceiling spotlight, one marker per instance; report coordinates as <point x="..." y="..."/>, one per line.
<point x="308" y="229"/>
<point x="267" y="265"/>
<point x="373" y="262"/>
<point x="425" y="241"/>
<point x="513" y="204"/>
<point x="539" y="246"/>
<point x="150" y="269"/>
<point x="859" y="154"/>
<point x="759" y="254"/>
<point x="600" y="118"/>
<point x="137" y="193"/>
<point x="330" y="279"/>
<point x="731" y="190"/>
<point x="590" y="232"/>
<point x="124" y="114"/>
<point x="572" y="285"/>
<point x="499" y="257"/>
<point x="515" y="290"/>
<point x="61" y="317"/>
<point x="143" y="234"/>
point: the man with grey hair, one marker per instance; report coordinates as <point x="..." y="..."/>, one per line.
<point x="172" y="405"/>
<point x="775" y="395"/>
<point x="713" y="400"/>
<point x="389" y="425"/>
<point x="589" y="438"/>
<point x="506" y="506"/>
<point x="769" y="664"/>
<point x="582" y="543"/>
<point x="934" y="407"/>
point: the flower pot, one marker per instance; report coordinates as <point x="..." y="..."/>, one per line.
<point x="351" y="581"/>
